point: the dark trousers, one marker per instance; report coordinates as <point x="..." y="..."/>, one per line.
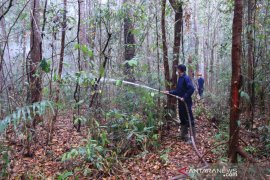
<point x="200" y="92"/>
<point x="183" y="113"/>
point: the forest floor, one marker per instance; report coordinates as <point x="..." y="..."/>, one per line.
<point x="45" y="162"/>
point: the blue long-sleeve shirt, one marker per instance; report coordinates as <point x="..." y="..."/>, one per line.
<point x="200" y="83"/>
<point x="184" y="88"/>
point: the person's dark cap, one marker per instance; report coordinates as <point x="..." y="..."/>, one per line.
<point x="182" y="67"/>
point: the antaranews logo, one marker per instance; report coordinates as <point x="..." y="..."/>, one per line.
<point x="183" y="171"/>
<point x="225" y="172"/>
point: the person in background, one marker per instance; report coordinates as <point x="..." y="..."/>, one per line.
<point x="200" y="85"/>
<point x="184" y="90"/>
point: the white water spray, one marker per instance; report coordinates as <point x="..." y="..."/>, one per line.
<point x="130" y="83"/>
<point x="110" y="80"/>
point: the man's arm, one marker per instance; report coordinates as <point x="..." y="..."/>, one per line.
<point x="190" y="88"/>
<point x="175" y="91"/>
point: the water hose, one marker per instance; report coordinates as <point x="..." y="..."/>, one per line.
<point x="177" y="97"/>
<point x="190" y="129"/>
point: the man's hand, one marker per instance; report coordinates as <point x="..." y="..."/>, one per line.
<point x="181" y="99"/>
<point x="165" y="92"/>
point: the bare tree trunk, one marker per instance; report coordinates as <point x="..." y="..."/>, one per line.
<point x="77" y="92"/>
<point x="196" y="37"/>
<point x="60" y="68"/>
<point x="82" y="34"/>
<point x="177" y="6"/>
<point x="251" y="59"/>
<point x="148" y="54"/>
<point x="178" y="20"/>
<point x="235" y="81"/>
<point x="129" y="41"/>
<point x="165" y="50"/>
<point x="190" y="70"/>
<point x="91" y="30"/>
<point x="205" y="60"/>
<point x="35" y="75"/>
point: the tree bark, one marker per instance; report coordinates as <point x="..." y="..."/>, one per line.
<point x="77" y="92"/>
<point x="129" y="42"/>
<point x="178" y="21"/>
<point x="165" y="52"/>
<point x="36" y="57"/>
<point x="177" y="6"/>
<point x="250" y="64"/>
<point x="235" y="81"/>
<point x="196" y="37"/>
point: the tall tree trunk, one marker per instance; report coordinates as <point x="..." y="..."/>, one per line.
<point x="60" y="68"/>
<point x="251" y="6"/>
<point x="196" y="37"/>
<point x="148" y="55"/>
<point x="35" y="75"/>
<point x="91" y="30"/>
<point x="77" y="92"/>
<point x="165" y="50"/>
<point x="83" y="34"/>
<point x="235" y="81"/>
<point x="177" y="6"/>
<point x="190" y="70"/>
<point x="178" y="20"/>
<point x="129" y="41"/>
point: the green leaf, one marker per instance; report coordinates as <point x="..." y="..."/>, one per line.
<point x="65" y="175"/>
<point x="77" y="46"/>
<point x="238" y="123"/>
<point x="132" y="62"/>
<point x="102" y="71"/>
<point x="45" y="66"/>
<point x="80" y="102"/>
<point x="90" y="53"/>
<point x="135" y="31"/>
<point x="84" y="49"/>
<point x="244" y="95"/>
<point x="119" y="82"/>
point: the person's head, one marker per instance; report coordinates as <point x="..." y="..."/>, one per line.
<point x="181" y="69"/>
<point x="199" y="75"/>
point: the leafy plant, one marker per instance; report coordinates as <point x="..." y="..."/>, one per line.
<point x="101" y="157"/>
<point x="64" y="175"/>
<point x="164" y="156"/>
<point x="25" y="114"/>
<point x="4" y="161"/>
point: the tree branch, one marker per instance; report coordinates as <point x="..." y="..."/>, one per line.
<point x="103" y="66"/>
<point x="8" y="8"/>
<point x="175" y="5"/>
<point x="245" y="155"/>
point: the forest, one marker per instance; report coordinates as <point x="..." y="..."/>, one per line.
<point x="134" y="89"/>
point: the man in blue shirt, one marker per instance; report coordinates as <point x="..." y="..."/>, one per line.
<point x="200" y="85"/>
<point x="184" y="89"/>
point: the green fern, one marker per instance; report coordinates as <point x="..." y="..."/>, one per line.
<point x="25" y="114"/>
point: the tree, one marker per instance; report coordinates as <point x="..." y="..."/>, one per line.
<point x="251" y="59"/>
<point x="196" y="37"/>
<point x="178" y="21"/>
<point x="129" y="40"/>
<point x="60" y="67"/>
<point x="77" y="92"/>
<point x="165" y="50"/>
<point x="235" y="80"/>
<point x="35" y="57"/>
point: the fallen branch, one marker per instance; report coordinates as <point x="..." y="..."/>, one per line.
<point x="245" y="155"/>
<point x="212" y="149"/>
